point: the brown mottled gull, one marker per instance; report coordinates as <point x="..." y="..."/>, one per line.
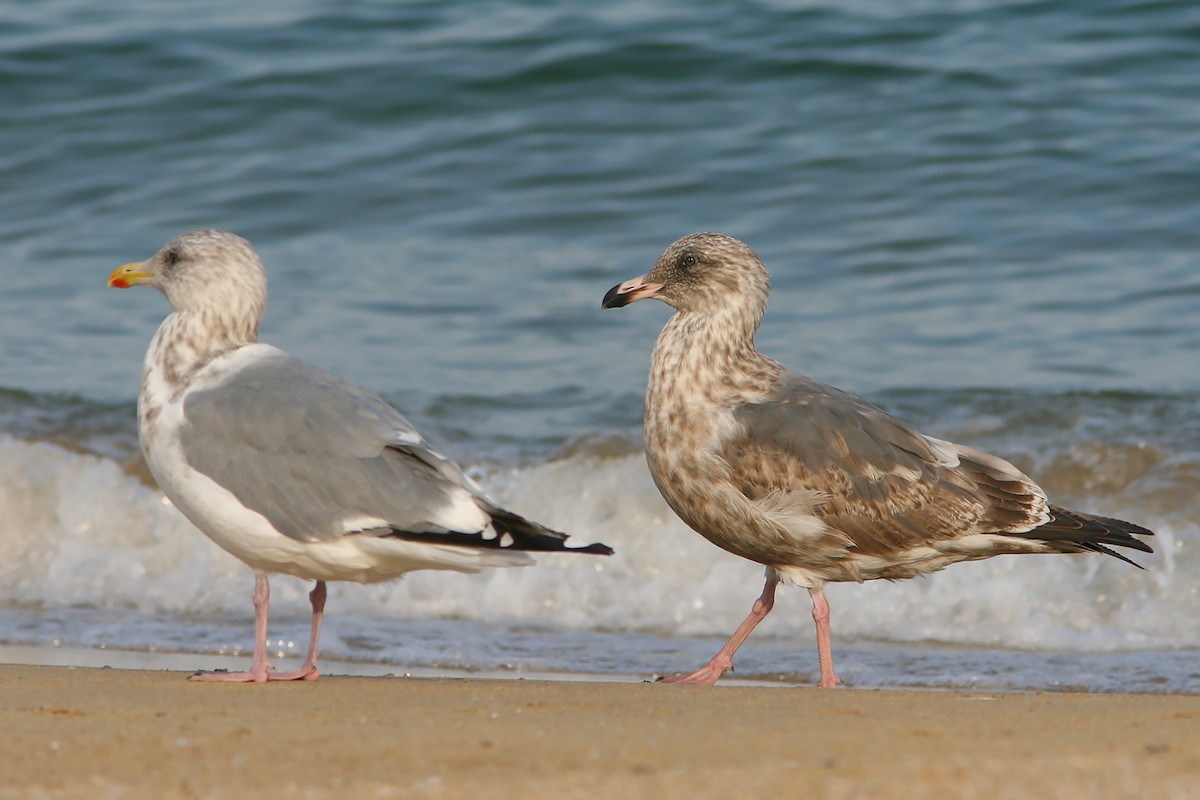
<point x="288" y="467"/>
<point x="812" y="482"/>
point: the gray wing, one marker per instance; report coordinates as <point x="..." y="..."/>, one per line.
<point x="887" y="487"/>
<point x="314" y="453"/>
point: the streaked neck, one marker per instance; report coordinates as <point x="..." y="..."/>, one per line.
<point x="185" y="343"/>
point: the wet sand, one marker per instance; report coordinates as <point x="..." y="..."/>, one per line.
<point x="85" y="732"/>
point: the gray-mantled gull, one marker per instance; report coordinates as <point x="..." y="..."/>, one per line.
<point x="812" y="482"/>
<point x="288" y="467"/>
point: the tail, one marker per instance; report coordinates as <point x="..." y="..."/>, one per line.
<point x="508" y="531"/>
<point x="1075" y="532"/>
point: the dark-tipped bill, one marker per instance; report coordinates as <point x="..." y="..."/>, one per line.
<point x="630" y="291"/>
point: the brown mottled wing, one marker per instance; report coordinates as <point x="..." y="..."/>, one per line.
<point x="889" y="487"/>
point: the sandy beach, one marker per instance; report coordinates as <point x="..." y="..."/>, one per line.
<point x="86" y="732"/>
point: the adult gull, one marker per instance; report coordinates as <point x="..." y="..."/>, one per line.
<point x="814" y="483"/>
<point x="290" y="468"/>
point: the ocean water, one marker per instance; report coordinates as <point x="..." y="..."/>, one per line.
<point x="982" y="217"/>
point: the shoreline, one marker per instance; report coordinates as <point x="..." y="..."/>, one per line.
<point x="868" y="666"/>
<point x="87" y="732"/>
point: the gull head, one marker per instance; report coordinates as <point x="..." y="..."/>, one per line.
<point x="701" y="273"/>
<point x="204" y="271"/>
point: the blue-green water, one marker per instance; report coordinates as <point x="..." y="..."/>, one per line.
<point x="984" y="216"/>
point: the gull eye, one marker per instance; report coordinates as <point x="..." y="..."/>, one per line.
<point x="688" y="260"/>
<point x="171" y="257"/>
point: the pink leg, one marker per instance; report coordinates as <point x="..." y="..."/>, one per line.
<point x="260" y="669"/>
<point x="722" y="662"/>
<point x="829" y="679"/>
<point x="309" y="672"/>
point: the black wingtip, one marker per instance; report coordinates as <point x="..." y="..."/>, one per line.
<point x="1078" y="532"/>
<point x="596" y="549"/>
<point x="509" y="531"/>
<point x="532" y="536"/>
<point x="526" y="539"/>
<point x="1099" y="548"/>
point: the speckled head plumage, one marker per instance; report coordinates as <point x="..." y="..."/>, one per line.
<point x="701" y="273"/>
<point x="210" y="272"/>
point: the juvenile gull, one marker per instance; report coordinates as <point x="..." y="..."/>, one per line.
<point x="288" y="467"/>
<point x="812" y="482"/>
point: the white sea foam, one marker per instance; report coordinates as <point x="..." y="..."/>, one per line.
<point x="80" y="532"/>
